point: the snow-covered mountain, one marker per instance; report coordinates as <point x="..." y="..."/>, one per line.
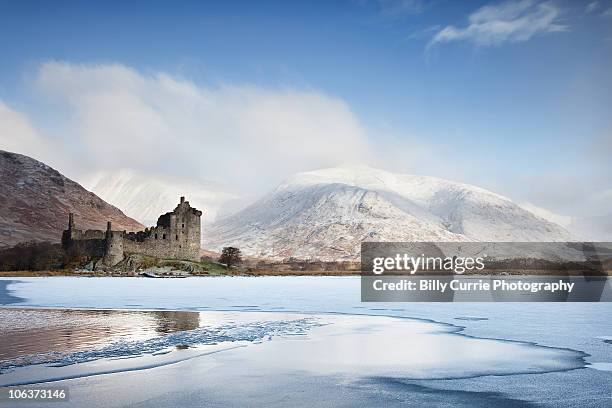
<point x="326" y="214"/>
<point x="145" y="197"/>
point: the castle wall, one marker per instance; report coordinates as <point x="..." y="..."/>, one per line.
<point x="90" y="242"/>
<point x="176" y="236"/>
<point x="78" y="235"/>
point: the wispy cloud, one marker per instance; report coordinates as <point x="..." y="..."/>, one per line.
<point x="592" y="6"/>
<point x="423" y="33"/>
<point x="510" y="21"/>
<point x="397" y="8"/>
<point x="596" y="5"/>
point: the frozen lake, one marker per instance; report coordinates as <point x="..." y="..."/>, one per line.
<point x="291" y="340"/>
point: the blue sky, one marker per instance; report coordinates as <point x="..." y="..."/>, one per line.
<point x="514" y="96"/>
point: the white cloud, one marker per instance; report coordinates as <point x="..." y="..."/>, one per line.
<point x="247" y="135"/>
<point x="19" y="136"/>
<point x="511" y="21"/>
<point x="607" y="13"/>
<point x="103" y="118"/>
<point x="592" y="6"/>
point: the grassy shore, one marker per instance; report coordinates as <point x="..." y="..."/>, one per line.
<point x="218" y="272"/>
<point x="224" y="272"/>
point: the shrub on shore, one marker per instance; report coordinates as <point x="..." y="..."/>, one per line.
<point x="32" y="256"/>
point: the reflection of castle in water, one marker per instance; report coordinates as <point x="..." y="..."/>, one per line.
<point x="168" y="322"/>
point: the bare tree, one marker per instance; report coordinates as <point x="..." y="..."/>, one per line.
<point x="230" y="256"/>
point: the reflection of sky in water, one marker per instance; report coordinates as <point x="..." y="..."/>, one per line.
<point x="29" y="332"/>
<point x="65" y="337"/>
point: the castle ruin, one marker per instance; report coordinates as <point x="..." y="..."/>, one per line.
<point x="176" y="236"/>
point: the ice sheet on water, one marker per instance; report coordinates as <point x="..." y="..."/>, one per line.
<point x="321" y="345"/>
<point x="471" y="318"/>
<point x="601" y="366"/>
<point x="568" y="326"/>
<point x="606" y="339"/>
<point x="405" y="348"/>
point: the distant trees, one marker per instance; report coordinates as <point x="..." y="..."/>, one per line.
<point x="32" y="256"/>
<point x="75" y="256"/>
<point x="230" y="256"/>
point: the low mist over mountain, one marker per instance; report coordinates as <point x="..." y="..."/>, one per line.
<point x="35" y="201"/>
<point x="146" y="197"/>
<point x="326" y="214"/>
<point x="596" y="228"/>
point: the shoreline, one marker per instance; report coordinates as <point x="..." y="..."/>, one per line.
<point x="32" y="274"/>
<point x="264" y="272"/>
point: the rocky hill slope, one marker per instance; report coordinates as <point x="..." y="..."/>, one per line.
<point x="35" y="201"/>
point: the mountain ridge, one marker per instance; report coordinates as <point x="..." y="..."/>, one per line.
<point x="35" y="201"/>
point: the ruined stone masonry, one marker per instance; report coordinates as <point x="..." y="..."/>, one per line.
<point x="176" y="236"/>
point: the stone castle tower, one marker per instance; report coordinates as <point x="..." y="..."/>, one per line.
<point x="176" y="236"/>
<point x="113" y="248"/>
